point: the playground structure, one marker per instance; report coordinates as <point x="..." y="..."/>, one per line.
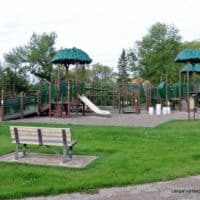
<point x="44" y="101"/>
<point x="50" y="100"/>
<point x="132" y="98"/>
<point x="65" y="97"/>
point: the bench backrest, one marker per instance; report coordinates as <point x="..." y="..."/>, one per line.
<point x="40" y="135"/>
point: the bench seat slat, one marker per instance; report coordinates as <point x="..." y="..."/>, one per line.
<point x="34" y="127"/>
<point x="46" y="132"/>
<point x="59" y="140"/>
<point x="46" y="142"/>
<point x="35" y="137"/>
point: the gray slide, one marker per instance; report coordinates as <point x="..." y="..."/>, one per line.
<point x="92" y="106"/>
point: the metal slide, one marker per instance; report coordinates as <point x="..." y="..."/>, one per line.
<point x="92" y="106"/>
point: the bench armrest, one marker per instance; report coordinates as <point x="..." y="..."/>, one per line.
<point x="71" y="144"/>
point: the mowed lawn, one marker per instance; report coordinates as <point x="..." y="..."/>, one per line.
<point x="126" y="155"/>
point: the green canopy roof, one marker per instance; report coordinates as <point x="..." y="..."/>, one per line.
<point x="71" y="56"/>
<point x="189" y="68"/>
<point x="189" y="55"/>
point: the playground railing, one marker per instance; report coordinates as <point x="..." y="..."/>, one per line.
<point x="11" y="107"/>
<point x="30" y="104"/>
<point x="18" y="106"/>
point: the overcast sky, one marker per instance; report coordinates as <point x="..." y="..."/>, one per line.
<point x="99" y="27"/>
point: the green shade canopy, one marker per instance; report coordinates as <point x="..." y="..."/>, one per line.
<point x="189" y="55"/>
<point x="71" y="56"/>
<point x="189" y="68"/>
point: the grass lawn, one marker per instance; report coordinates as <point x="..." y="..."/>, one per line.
<point x="126" y="155"/>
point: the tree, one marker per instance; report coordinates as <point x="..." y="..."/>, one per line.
<point x="41" y="53"/>
<point x="1" y="77"/>
<point x="13" y="81"/>
<point x="132" y="61"/>
<point x="191" y="45"/>
<point x="123" y="68"/>
<point x="101" y="76"/>
<point x="35" y="57"/>
<point x="16" y="59"/>
<point x="156" y="53"/>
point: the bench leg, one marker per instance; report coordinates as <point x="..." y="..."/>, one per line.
<point x="16" y="151"/>
<point x="24" y="150"/>
<point x="70" y="152"/>
<point x="64" y="153"/>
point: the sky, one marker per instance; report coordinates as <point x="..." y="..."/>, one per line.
<point x="102" y="28"/>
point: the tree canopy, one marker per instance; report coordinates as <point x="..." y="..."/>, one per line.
<point x="156" y="52"/>
<point x="191" y="45"/>
<point x="35" y="57"/>
<point x="101" y="75"/>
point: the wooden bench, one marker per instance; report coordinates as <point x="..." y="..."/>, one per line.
<point x="42" y="136"/>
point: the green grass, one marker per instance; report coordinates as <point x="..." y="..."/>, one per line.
<point x="126" y="155"/>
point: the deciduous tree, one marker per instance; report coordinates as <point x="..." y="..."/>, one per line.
<point x="35" y="57"/>
<point x="156" y="53"/>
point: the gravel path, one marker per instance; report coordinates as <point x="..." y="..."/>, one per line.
<point x="179" y="189"/>
<point x="143" y="119"/>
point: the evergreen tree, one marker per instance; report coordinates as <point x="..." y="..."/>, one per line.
<point x="123" y="68"/>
